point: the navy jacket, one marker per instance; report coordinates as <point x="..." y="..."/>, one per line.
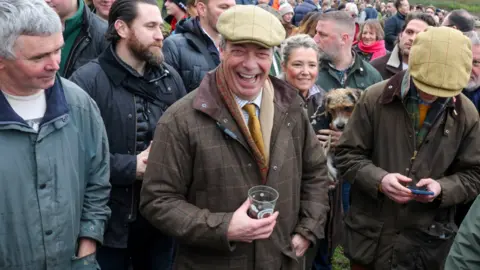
<point x="302" y="10"/>
<point x="393" y="26"/>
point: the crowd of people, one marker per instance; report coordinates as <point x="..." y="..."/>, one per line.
<point x="127" y="144"/>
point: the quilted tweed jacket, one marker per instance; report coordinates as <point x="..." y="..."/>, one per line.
<point x="200" y="170"/>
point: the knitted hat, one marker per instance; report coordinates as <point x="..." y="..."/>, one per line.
<point x="440" y="61"/>
<point x="285" y="8"/>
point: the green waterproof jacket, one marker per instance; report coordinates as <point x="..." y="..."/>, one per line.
<point x="465" y="251"/>
<point x="361" y="75"/>
<point x="54" y="184"/>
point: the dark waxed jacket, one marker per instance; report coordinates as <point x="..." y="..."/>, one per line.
<point x="302" y="10"/>
<point x="379" y="139"/>
<point x="89" y="44"/>
<point x="187" y="52"/>
<point x="130" y="123"/>
<point x="393" y="26"/>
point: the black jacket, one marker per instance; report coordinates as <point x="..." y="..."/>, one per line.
<point x="89" y="44"/>
<point x="130" y="121"/>
<point x="188" y="52"/>
<point x="393" y="26"/>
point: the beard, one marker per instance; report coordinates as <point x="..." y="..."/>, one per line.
<point x="324" y="56"/>
<point x="142" y="52"/>
<point x="473" y="84"/>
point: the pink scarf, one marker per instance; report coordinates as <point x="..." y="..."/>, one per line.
<point x="377" y="48"/>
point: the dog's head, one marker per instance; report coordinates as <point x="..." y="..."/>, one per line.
<point x="339" y="104"/>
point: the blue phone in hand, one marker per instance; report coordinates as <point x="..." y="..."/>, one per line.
<point x="417" y="191"/>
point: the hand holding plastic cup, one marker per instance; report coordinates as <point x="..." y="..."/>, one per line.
<point x="263" y="199"/>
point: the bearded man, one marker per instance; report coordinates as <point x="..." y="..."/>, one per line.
<point x="133" y="87"/>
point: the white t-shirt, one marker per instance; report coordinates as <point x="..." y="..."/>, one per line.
<point x="30" y="108"/>
<point x="404" y="66"/>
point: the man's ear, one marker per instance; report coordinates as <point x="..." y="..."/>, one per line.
<point x="201" y="8"/>
<point x="122" y="29"/>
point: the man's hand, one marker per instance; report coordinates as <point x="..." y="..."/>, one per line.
<point x="393" y="186"/>
<point x="142" y="159"/>
<point x="324" y="134"/>
<point x="86" y="247"/>
<point x="430" y="185"/>
<point x="242" y="228"/>
<point x="300" y="244"/>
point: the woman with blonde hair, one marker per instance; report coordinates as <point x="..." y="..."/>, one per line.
<point x="309" y="24"/>
<point x="370" y="41"/>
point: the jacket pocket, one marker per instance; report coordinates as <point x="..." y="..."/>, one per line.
<point x="362" y="234"/>
<point x="88" y="262"/>
<point x="434" y="244"/>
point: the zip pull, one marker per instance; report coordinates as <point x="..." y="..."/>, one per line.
<point x="414" y="156"/>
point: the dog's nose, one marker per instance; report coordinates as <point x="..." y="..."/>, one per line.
<point x="340" y="126"/>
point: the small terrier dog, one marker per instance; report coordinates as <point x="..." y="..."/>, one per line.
<point x="335" y="111"/>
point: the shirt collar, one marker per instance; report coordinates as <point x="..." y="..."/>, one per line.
<point x="257" y="101"/>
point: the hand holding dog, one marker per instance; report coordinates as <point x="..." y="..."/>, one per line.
<point x="431" y="185"/>
<point x="393" y="185"/>
<point x="324" y="134"/>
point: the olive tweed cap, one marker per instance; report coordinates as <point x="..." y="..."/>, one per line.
<point x="250" y="24"/>
<point x="440" y="61"/>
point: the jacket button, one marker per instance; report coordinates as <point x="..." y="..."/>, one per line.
<point x="169" y="89"/>
<point x="225" y="120"/>
<point x="390" y="87"/>
<point x="447" y="131"/>
<point x="42" y="186"/>
<point x="275" y="168"/>
<point x="288" y="124"/>
<point x="249" y="164"/>
<point x="407" y="169"/>
<point x="130" y="116"/>
<point x="49" y="232"/>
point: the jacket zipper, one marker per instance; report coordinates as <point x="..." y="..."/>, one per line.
<point x="72" y="52"/>
<point x="135" y="153"/>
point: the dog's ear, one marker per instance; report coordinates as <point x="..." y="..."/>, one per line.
<point x="354" y="94"/>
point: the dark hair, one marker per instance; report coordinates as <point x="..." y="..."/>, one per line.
<point x="341" y="7"/>
<point x="419" y="16"/>
<point x="462" y="20"/>
<point x="125" y="10"/>
<point x="398" y="4"/>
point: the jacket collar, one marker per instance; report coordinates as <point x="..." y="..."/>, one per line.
<point x="117" y="70"/>
<point x="395" y="60"/>
<point x="356" y="66"/>
<point x="56" y="105"/>
<point x="209" y="101"/>
<point x="393" y="90"/>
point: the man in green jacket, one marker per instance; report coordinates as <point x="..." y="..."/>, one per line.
<point x="54" y="157"/>
<point x="465" y="251"/>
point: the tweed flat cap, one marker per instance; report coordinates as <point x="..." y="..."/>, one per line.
<point x="440" y="61"/>
<point x="250" y="24"/>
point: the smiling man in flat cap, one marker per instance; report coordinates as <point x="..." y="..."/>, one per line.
<point x="412" y="153"/>
<point x="239" y="129"/>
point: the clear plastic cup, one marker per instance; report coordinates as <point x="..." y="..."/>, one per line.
<point x="263" y="199"/>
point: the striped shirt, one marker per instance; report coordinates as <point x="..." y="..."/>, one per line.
<point x="257" y="101"/>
